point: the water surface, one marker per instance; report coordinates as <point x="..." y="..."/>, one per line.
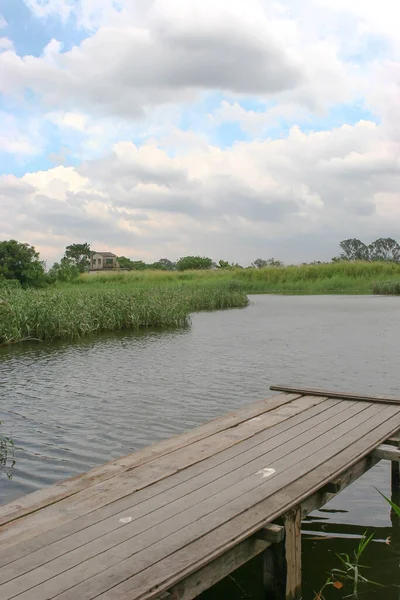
<point x="69" y="407"/>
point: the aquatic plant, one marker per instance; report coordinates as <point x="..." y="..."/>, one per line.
<point x="350" y="572"/>
<point x="70" y="312"/>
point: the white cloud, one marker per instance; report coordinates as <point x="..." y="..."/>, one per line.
<point x="5" y="44"/>
<point x="20" y="138"/>
<point x="256" y="122"/>
<point x="261" y="198"/>
<point x="171" y="57"/>
<point x="46" y="8"/>
<point x="166" y="74"/>
<point x="71" y="120"/>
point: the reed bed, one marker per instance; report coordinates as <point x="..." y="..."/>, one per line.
<point x="332" y="278"/>
<point x="162" y="299"/>
<point x="71" y="312"/>
<point x="386" y="287"/>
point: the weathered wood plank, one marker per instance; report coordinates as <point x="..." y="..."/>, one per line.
<point x="200" y="518"/>
<point x="333" y="394"/>
<point x="224" y="565"/>
<point x="292" y="525"/>
<point x="222" y="538"/>
<point x="322" y="496"/>
<point x="271" y="533"/>
<point x="191" y="532"/>
<point x="50" y="495"/>
<point x="386" y="452"/>
<point x="139" y="534"/>
<point x="49" y="522"/>
<point x="124" y="484"/>
<point x="394" y="440"/>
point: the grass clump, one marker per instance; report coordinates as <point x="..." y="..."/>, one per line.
<point x="70" y="312"/>
<point x="386" y="287"/>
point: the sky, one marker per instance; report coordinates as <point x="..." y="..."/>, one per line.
<point x="230" y="129"/>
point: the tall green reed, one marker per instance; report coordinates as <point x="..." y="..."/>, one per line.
<point x="70" y="312"/>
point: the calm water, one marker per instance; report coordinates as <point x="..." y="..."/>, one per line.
<point x="71" y="407"/>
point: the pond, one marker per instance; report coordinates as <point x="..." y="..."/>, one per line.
<point x="69" y="407"/>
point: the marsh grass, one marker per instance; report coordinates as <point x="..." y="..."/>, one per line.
<point x="329" y="278"/>
<point x="70" y="312"/>
<point x="386" y="287"/>
<point x="164" y="299"/>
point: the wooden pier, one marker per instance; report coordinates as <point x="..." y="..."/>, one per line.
<point x="173" y="519"/>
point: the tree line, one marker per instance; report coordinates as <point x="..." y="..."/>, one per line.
<point x="21" y="262"/>
<point x="381" y="250"/>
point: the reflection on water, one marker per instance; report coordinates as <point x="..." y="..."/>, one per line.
<point x="70" y="407"/>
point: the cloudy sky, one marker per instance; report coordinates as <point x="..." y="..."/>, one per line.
<point x="229" y="128"/>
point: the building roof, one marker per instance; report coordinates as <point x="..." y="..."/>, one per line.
<point x="109" y="254"/>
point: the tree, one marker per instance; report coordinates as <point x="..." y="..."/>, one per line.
<point x="194" y="263"/>
<point x="79" y="255"/>
<point x="167" y="264"/>
<point x="125" y="263"/>
<point x="65" y="270"/>
<point x="272" y="262"/>
<point x="21" y="262"/>
<point x="259" y="263"/>
<point x="385" y="249"/>
<point x="224" y="264"/>
<point x="354" y="249"/>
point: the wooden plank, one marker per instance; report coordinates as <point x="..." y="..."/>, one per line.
<point x="394" y="440"/>
<point x="39" y="596"/>
<point x="323" y="496"/>
<point x="219" y="490"/>
<point x="47" y="496"/>
<point x="224" y="565"/>
<point x="292" y="525"/>
<point x="332" y="394"/>
<point x="124" y="484"/>
<point x="224" y="447"/>
<point x="386" y="452"/>
<point x="183" y="562"/>
<point x="333" y="487"/>
<point x="190" y="533"/>
<point x="271" y="533"/>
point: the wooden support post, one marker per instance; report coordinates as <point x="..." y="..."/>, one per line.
<point x="292" y="524"/>
<point x="282" y="562"/>
<point x="395" y="441"/>
<point x="395" y="477"/>
<point x="395" y="497"/>
<point x="391" y="451"/>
